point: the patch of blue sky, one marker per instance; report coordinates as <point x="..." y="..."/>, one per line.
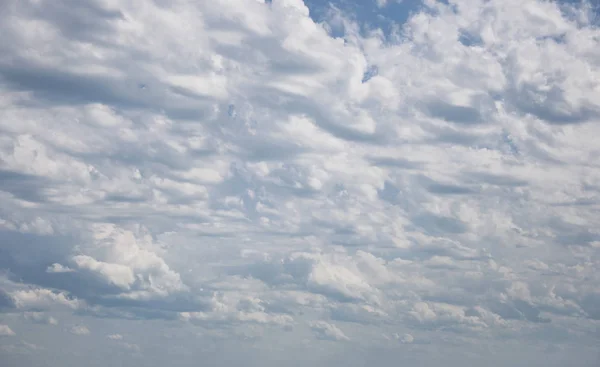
<point x="388" y="15"/>
<point x="369" y="14"/>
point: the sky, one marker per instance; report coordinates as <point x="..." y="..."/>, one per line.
<point x="280" y="183"/>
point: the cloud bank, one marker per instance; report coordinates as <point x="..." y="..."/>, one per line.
<point x="242" y="181"/>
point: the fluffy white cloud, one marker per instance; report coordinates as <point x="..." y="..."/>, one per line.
<point x="130" y="263"/>
<point x="228" y="168"/>
<point x="40" y="298"/>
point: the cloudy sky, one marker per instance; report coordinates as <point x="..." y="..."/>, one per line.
<point x="280" y="183"/>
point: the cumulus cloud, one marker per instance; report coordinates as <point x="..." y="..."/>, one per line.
<point x="39" y="298"/>
<point x="79" y="330"/>
<point x="229" y="308"/>
<point x="405" y="338"/>
<point x="421" y="171"/>
<point x="129" y="264"/>
<point x="6" y="331"/>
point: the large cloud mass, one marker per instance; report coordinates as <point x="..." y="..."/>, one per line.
<point x="244" y="182"/>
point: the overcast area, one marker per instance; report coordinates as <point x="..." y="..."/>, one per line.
<point x="274" y="183"/>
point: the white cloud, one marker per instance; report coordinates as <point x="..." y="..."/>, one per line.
<point x="232" y="308"/>
<point x="381" y="3"/>
<point x="405" y="338"/>
<point x="40" y="318"/>
<point x="6" y="331"/>
<point x="241" y="167"/>
<point x="328" y="331"/>
<point x="422" y="311"/>
<point x="119" y="275"/>
<point x="130" y="264"/>
<point x="79" y="330"/>
<point x="58" y="268"/>
<point x="40" y="298"/>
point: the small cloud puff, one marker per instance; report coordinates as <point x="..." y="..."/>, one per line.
<point x="79" y="330"/>
<point x="404" y="339"/>
<point x="58" y="268"/>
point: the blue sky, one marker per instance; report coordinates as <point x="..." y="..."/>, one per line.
<point x="383" y="14"/>
<point x="267" y="183"/>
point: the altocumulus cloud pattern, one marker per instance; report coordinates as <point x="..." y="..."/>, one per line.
<point x="280" y="183"/>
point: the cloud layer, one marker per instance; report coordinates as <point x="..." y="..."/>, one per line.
<point x="281" y="188"/>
